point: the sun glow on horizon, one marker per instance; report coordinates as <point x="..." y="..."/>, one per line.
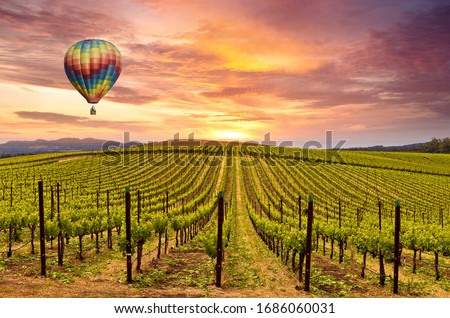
<point x="230" y="135"/>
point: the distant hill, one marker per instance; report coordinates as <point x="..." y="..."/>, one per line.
<point x="17" y="148"/>
<point x="14" y="148"/>
<point x="435" y="145"/>
<point x="406" y="148"/>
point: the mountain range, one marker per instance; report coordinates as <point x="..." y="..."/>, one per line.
<point x="14" y="148"/>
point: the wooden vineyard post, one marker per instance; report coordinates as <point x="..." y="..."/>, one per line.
<point x="141" y="241"/>
<point x="128" y="233"/>
<point x="299" y="212"/>
<point x="42" y="227"/>
<point x="60" y="234"/>
<point x="219" y="241"/>
<point x="166" y="237"/>
<point x="52" y="211"/>
<point x="381" y="257"/>
<point x="52" y="203"/>
<point x="9" y="254"/>
<point x="309" y="243"/>
<point x="396" y="245"/>
<point x="281" y="222"/>
<point x="109" y="234"/>
<point x="341" y="242"/>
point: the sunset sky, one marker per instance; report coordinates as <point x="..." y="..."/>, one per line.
<point x="373" y="72"/>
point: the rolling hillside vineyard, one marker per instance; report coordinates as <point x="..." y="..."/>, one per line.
<point x="372" y="215"/>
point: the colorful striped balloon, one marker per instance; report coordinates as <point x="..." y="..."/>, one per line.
<point x="93" y="66"/>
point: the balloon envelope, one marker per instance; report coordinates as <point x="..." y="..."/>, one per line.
<point x="93" y="66"/>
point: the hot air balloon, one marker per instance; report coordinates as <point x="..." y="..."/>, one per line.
<point x="93" y="66"/>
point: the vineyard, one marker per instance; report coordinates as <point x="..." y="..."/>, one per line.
<point x="170" y="237"/>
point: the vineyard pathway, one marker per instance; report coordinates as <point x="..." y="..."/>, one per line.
<point x="249" y="264"/>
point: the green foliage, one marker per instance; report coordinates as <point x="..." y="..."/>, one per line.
<point x="150" y="279"/>
<point x="51" y="228"/>
<point x="141" y="231"/>
<point x="123" y="245"/>
<point x="209" y="241"/>
<point x="160" y="222"/>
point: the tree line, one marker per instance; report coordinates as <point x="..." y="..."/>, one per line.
<point x="437" y="145"/>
